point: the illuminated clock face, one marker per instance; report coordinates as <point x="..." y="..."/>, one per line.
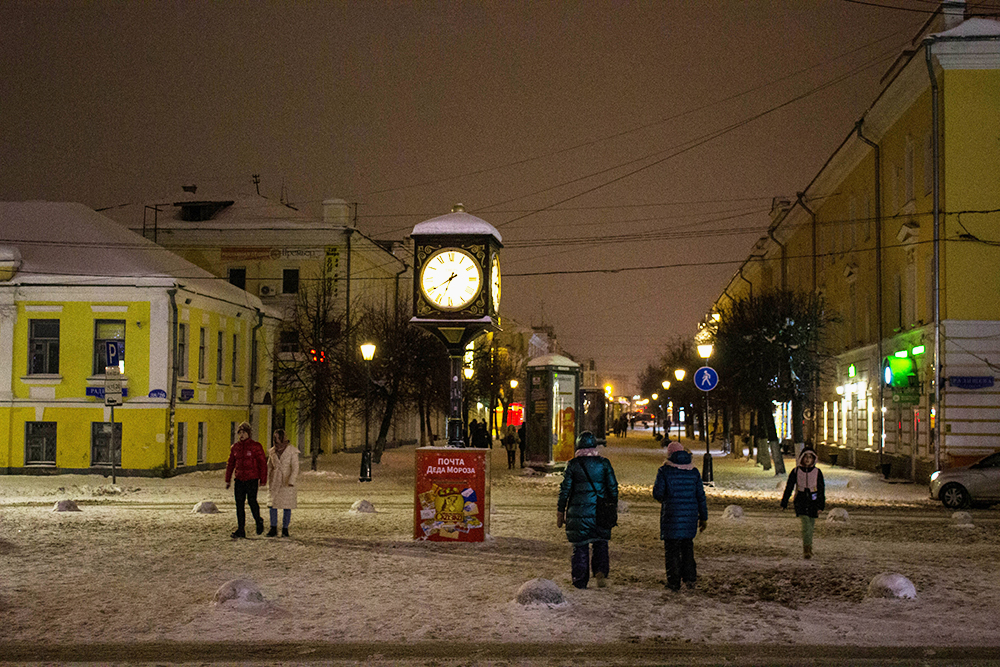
<point x="495" y="283"/>
<point x="451" y="279"/>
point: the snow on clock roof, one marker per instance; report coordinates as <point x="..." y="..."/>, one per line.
<point x="458" y="222"/>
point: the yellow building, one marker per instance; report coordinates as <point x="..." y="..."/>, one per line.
<point x="899" y="233"/>
<point x="273" y="251"/>
<point x="75" y="287"/>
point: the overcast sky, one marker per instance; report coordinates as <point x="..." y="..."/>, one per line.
<point x="593" y="135"/>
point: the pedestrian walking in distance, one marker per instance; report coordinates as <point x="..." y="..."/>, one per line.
<point x="683" y="514"/>
<point x="806" y="480"/>
<point x="282" y="473"/>
<point x="522" y="436"/>
<point x="248" y="465"/>
<point x="510" y="444"/>
<point x="588" y="476"/>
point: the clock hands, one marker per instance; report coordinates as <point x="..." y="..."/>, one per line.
<point x="444" y="284"/>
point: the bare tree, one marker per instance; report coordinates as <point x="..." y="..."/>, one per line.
<point x="308" y="371"/>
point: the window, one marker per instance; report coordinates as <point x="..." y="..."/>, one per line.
<point x="235" y="356"/>
<point x="201" y="354"/>
<point x="104" y="332"/>
<point x="201" y="442"/>
<point x="288" y="341"/>
<point x="43" y="346"/>
<point x="104" y="440"/>
<point x="181" y="444"/>
<point x="40" y="443"/>
<point x="290" y="281"/>
<point x="238" y="277"/>
<point x="218" y="358"/>
<point x="182" y="359"/>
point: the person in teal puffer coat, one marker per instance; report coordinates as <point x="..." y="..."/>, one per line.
<point x="577" y="509"/>
<point x="683" y="512"/>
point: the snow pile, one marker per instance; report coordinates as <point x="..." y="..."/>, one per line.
<point x="107" y="490"/>
<point x="244" y="596"/>
<point x="362" y="507"/>
<point x="891" y="585"/>
<point x="733" y="513"/>
<point x="837" y="515"/>
<point x="65" y="506"/>
<point x="205" y="507"/>
<point x="540" y="591"/>
<point x="962" y="520"/>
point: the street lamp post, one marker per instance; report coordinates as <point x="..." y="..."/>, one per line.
<point x="367" y="353"/>
<point x="663" y="411"/>
<point x="705" y="351"/>
<point x="679" y="376"/>
<point x="656" y="398"/>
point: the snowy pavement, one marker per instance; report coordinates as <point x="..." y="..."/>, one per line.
<point x="137" y="568"/>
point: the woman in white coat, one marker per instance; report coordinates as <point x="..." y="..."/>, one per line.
<point x="282" y="474"/>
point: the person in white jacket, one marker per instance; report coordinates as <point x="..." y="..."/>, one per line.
<point x="282" y="474"/>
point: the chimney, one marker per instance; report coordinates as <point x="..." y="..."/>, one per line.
<point x="337" y="211"/>
<point x="953" y="13"/>
<point x="779" y="207"/>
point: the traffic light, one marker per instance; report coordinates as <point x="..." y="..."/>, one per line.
<point x="900" y="371"/>
<point x="317" y="356"/>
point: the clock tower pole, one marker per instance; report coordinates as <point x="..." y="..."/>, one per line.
<point x="456" y="292"/>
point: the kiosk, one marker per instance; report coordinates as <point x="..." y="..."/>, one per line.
<point x="552" y="410"/>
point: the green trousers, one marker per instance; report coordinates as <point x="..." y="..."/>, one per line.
<point x="808" y="523"/>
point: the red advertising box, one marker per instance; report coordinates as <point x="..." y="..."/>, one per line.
<point x="452" y="494"/>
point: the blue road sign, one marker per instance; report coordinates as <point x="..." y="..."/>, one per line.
<point x="705" y="378"/>
<point x="112" y="351"/>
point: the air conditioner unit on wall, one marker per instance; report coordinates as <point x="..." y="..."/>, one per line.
<point x="268" y="290"/>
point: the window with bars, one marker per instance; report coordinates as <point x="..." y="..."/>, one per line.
<point x="202" y="445"/>
<point x="43" y="343"/>
<point x="105" y="438"/>
<point x="236" y="348"/>
<point x="218" y="357"/>
<point x="182" y="350"/>
<point x="40" y="443"/>
<point x="181" y="444"/>
<point x="106" y="331"/>
<point x="201" y="353"/>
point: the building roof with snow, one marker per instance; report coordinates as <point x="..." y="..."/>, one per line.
<point x="71" y="244"/>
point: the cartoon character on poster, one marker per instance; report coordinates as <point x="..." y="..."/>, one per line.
<point x="449" y="511"/>
<point x="563" y="450"/>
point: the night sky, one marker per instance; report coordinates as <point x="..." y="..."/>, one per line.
<point x="642" y="137"/>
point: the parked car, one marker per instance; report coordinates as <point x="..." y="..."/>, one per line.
<point x="976" y="484"/>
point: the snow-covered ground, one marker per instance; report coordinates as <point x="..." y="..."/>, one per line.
<point x="138" y="565"/>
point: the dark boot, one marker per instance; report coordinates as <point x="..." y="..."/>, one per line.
<point x="260" y="525"/>
<point x="284" y="532"/>
<point x="238" y="533"/>
<point x="273" y="532"/>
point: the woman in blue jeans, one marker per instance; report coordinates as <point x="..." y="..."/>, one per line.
<point x="588" y="475"/>
<point x="282" y="474"/>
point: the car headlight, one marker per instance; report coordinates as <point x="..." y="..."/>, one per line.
<point x="935" y="474"/>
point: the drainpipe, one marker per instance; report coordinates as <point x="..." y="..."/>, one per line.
<point x="935" y="145"/>
<point x="801" y="201"/>
<point x="252" y="384"/>
<point x="172" y="408"/>
<point x="784" y="258"/>
<point x="742" y="277"/>
<point x="878" y="281"/>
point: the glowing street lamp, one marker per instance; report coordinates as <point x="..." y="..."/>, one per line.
<point x="679" y="374"/>
<point x="367" y="353"/>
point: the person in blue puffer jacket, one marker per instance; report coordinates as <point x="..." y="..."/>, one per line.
<point x="587" y="476"/>
<point x="683" y="513"/>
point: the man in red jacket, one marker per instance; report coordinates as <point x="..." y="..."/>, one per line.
<point x="248" y="464"/>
